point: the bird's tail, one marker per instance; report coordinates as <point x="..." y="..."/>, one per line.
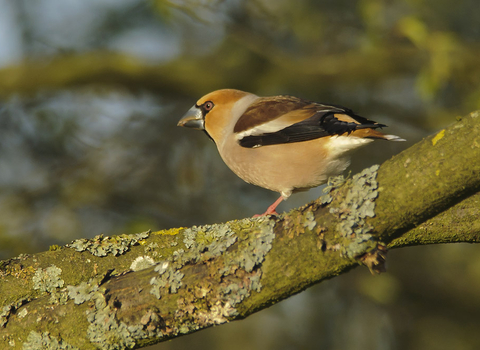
<point x="374" y="134"/>
<point x="392" y="138"/>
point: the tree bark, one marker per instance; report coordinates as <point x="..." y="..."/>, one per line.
<point x="130" y="291"/>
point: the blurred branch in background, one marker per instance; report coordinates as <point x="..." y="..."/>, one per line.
<point x="194" y="76"/>
<point x="405" y="47"/>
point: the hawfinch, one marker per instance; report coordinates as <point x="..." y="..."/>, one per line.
<point x="281" y="143"/>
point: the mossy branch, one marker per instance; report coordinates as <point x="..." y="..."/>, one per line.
<point x="133" y="290"/>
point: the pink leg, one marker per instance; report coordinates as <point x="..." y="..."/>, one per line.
<point x="271" y="209"/>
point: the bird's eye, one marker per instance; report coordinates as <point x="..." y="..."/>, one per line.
<point x="208" y="105"/>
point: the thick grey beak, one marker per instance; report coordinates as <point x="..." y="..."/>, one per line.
<point x="193" y="119"/>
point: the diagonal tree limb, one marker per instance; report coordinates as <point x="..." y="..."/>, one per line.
<point x="429" y="177"/>
<point x="134" y="290"/>
<point x="459" y="223"/>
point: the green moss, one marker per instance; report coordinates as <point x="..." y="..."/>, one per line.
<point x="169" y="232"/>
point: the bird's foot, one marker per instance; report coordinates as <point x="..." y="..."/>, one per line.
<point x="271" y="209"/>
<point x="268" y="212"/>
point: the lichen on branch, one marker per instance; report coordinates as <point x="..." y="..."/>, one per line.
<point x="133" y="290"/>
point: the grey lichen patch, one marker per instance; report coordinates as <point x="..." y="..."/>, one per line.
<point x="358" y="245"/>
<point x="81" y="293"/>
<point x="107" y="333"/>
<point x="104" y="329"/>
<point x="359" y="203"/>
<point x="44" y="341"/>
<point x="212" y="239"/>
<point x="4" y="314"/>
<point x="333" y="183"/>
<point x="238" y="248"/>
<point x="168" y="281"/>
<point x="178" y="254"/>
<point x="189" y="236"/>
<point x="150" y="322"/>
<point x="7" y="310"/>
<point x="235" y="275"/>
<point x="233" y="291"/>
<point x="151" y="249"/>
<point x="48" y="280"/>
<point x="254" y="253"/>
<point x="102" y="246"/>
<point x="217" y="314"/>
<point x="141" y="263"/>
<point x="309" y="220"/>
<point x="22" y="313"/>
<point x="193" y="318"/>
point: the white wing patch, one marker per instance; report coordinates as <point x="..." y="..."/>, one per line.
<point x="266" y="128"/>
<point x="338" y="145"/>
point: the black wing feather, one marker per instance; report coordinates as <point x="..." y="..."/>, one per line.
<point x="321" y="124"/>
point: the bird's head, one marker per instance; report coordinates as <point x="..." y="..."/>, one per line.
<point x="217" y="112"/>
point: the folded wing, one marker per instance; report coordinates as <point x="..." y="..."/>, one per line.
<point x="287" y="119"/>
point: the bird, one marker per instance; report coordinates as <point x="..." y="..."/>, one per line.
<point x="283" y="143"/>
